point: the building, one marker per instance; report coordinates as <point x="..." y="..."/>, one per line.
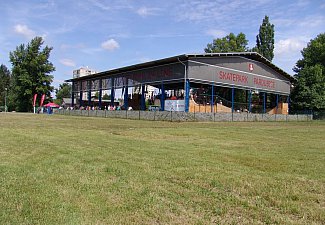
<point x="212" y="82"/>
<point x="83" y="71"/>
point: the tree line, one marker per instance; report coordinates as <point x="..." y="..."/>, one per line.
<point x="31" y="70"/>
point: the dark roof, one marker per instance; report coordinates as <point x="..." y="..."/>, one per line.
<point x="249" y="55"/>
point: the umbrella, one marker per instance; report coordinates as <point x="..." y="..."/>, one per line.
<point x="52" y="104"/>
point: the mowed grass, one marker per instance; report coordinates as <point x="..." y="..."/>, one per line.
<point x="78" y="170"/>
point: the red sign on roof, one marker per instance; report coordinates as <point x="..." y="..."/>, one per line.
<point x="250" y="67"/>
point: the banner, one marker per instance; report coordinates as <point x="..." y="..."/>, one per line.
<point x="34" y="100"/>
<point x="175" y="105"/>
<point x="42" y="100"/>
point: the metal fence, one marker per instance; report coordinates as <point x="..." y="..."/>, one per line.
<point x="184" y="116"/>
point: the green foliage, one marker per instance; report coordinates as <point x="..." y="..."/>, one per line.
<point x="5" y="77"/>
<point x="309" y="88"/>
<point x="64" y="91"/>
<point x="106" y="97"/>
<point x="96" y="96"/>
<point x="265" y="40"/>
<point x="230" y="43"/>
<point x="30" y="74"/>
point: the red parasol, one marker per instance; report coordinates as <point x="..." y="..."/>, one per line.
<point x="52" y="104"/>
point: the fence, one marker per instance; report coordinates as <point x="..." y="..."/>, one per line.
<point x="184" y="116"/>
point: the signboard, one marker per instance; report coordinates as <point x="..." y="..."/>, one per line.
<point x="175" y="105"/>
<point x="231" y="77"/>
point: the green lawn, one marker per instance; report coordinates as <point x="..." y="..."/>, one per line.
<point x="76" y="170"/>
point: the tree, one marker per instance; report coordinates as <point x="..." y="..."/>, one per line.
<point x="106" y="97"/>
<point x="309" y="88"/>
<point x="265" y="40"/>
<point x="230" y="43"/>
<point x="64" y="91"/>
<point x="30" y="74"/>
<point x="5" y="77"/>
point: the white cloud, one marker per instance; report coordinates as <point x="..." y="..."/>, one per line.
<point x="100" y="5"/>
<point x="144" y="11"/>
<point x="216" y="33"/>
<point x="24" y="30"/>
<point x="68" y="62"/>
<point x="110" y="45"/>
<point x="288" y="46"/>
<point x="287" y="52"/>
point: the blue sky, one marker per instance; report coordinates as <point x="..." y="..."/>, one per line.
<point x="106" y="34"/>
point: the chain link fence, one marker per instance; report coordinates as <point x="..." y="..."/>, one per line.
<point x="175" y="116"/>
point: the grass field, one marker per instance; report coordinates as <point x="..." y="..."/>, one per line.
<point x="77" y="170"/>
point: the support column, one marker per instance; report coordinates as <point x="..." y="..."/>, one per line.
<point x="100" y="94"/>
<point x="187" y="95"/>
<point x="112" y="93"/>
<point x="212" y="98"/>
<point x="89" y="93"/>
<point x="72" y="94"/>
<point x="162" y="97"/>
<point x="143" y="101"/>
<point x="277" y="103"/>
<point x="264" y="102"/>
<point x="232" y="102"/>
<point x="126" y="96"/>
<point x="250" y="101"/>
<point x="80" y="98"/>
<point x="232" y="99"/>
<point x="288" y="101"/>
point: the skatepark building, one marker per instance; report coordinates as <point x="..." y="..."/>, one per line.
<point x="212" y="82"/>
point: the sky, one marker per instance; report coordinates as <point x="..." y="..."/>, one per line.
<point x="107" y="34"/>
